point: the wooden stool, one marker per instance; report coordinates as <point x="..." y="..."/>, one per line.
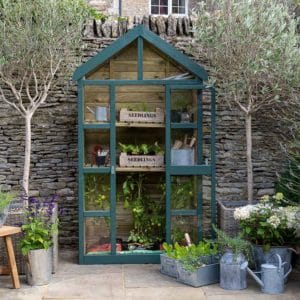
<point x="6" y="232"/>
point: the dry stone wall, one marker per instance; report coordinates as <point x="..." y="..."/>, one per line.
<point x="54" y="151"/>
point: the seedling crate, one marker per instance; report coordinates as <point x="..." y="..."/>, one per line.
<point x="141" y="160"/>
<point x="156" y="116"/>
<point x="168" y="266"/>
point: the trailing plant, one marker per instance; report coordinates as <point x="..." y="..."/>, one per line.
<point x="236" y="244"/>
<point x="39" y="228"/>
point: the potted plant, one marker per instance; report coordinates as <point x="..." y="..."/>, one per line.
<point x="200" y="266"/>
<point x="272" y="226"/>
<point x="5" y="200"/>
<point x="194" y="265"/>
<point x="234" y="261"/>
<point x="144" y="155"/>
<point x="37" y="241"/>
<point x="169" y="259"/>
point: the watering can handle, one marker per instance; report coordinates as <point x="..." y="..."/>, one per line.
<point x="288" y="272"/>
<point x="279" y="260"/>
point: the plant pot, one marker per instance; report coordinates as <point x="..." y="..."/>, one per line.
<point x="168" y="266"/>
<point x="226" y="220"/>
<point x="39" y="267"/>
<point x="233" y="271"/>
<point x="182" y="157"/>
<point x="263" y="257"/>
<point x="207" y="274"/>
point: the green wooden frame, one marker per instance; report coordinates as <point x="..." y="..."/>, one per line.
<point x="141" y="34"/>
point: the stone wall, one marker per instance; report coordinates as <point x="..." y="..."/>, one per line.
<point x="54" y="152"/>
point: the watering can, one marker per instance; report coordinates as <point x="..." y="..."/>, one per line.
<point x="100" y="113"/>
<point x="272" y="277"/>
<point x="233" y="271"/>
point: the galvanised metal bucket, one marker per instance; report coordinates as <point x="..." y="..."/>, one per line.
<point x="39" y="267"/>
<point x="269" y="257"/>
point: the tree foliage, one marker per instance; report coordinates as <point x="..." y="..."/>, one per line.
<point x="253" y="48"/>
<point x="38" y="39"/>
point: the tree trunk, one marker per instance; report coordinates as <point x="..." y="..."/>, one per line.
<point x="249" y="157"/>
<point x="26" y="170"/>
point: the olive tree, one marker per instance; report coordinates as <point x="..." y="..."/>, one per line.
<point x="253" y="48"/>
<point x="38" y="40"/>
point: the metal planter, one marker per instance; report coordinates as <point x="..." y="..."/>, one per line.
<point x="39" y="267"/>
<point x="168" y="266"/>
<point x="205" y="275"/>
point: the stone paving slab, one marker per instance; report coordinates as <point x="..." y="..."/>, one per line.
<point x="129" y="282"/>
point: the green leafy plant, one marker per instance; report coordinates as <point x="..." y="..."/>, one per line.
<point x="194" y="256"/>
<point x="97" y="190"/>
<point x="236" y="244"/>
<point x="39" y="228"/>
<point x="143" y="149"/>
<point x="5" y="199"/>
<point x="148" y="216"/>
<point x="289" y="181"/>
<point x="270" y="222"/>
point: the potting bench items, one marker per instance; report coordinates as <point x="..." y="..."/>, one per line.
<point x="6" y="232"/>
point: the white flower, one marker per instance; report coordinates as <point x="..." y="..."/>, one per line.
<point x="244" y="212"/>
<point x="274" y="221"/>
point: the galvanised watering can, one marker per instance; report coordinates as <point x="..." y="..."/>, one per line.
<point x="233" y="271"/>
<point x="272" y="277"/>
<point x="100" y="113"/>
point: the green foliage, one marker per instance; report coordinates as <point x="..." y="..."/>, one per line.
<point x="37" y="235"/>
<point x="259" y="40"/>
<point x="270" y="222"/>
<point x="289" y="181"/>
<point x="38" y="37"/>
<point x="192" y="257"/>
<point x="97" y="192"/>
<point x="236" y="244"/>
<point x="143" y="149"/>
<point x="5" y="199"/>
<point x="40" y="226"/>
<point x="97" y="15"/>
<point x="148" y="216"/>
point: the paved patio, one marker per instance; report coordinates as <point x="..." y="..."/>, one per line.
<point x="97" y="282"/>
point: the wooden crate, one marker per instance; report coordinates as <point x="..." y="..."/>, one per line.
<point x="141" y="160"/>
<point x="156" y="116"/>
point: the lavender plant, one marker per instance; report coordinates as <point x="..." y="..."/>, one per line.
<point x="41" y="224"/>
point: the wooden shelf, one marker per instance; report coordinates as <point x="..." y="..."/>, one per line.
<point x="140" y="169"/>
<point x="145" y="125"/>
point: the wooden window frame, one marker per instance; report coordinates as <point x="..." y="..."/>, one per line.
<point x="170" y="6"/>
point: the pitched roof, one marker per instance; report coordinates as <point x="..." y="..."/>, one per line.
<point x="129" y="37"/>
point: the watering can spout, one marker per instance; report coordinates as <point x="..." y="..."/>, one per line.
<point x="255" y="277"/>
